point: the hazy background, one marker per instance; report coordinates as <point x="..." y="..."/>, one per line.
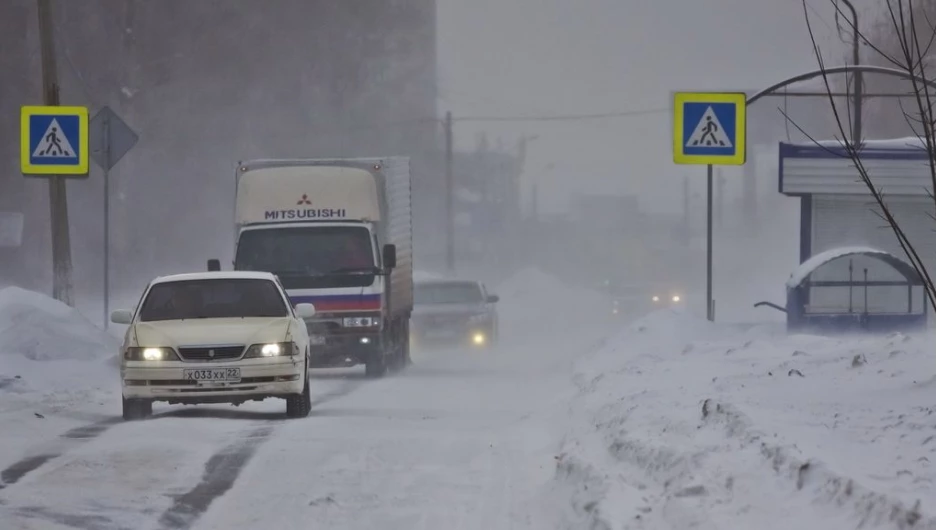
<point x="209" y="82"/>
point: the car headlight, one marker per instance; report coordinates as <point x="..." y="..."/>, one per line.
<point x="656" y="298"/>
<point x="676" y="298"/>
<point x="360" y="322"/>
<point x="273" y="349"/>
<point x="137" y="353"/>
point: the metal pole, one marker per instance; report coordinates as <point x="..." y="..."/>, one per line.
<point x="107" y="159"/>
<point x="710" y="303"/>
<point x="856" y="60"/>
<point x="58" y="198"/>
<point x="449" y="192"/>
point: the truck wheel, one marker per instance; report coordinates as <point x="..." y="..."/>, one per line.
<point x="300" y="405"/>
<point x="136" y="409"/>
<point x="375" y="367"/>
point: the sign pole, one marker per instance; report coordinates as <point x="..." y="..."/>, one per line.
<point x="710" y="304"/>
<point x="709" y="128"/>
<point x="107" y="166"/>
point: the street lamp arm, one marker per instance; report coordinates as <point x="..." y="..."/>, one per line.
<point x="871" y="69"/>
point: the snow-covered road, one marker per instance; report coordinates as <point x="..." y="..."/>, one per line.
<point x="462" y="439"/>
<point x="574" y="422"/>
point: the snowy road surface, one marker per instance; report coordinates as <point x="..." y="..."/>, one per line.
<point x="443" y="445"/>
<point x="669" y="423"/>
<point x="462" y="439"/>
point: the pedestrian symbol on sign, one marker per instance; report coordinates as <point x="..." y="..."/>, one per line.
<point x="54" y="143"/>
<point x="709" y="132"/>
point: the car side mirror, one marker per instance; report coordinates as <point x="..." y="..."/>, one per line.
<point x="305" y="310"/>
<point x="389" y="256"/>
<point x="122" y="316"/>
<point x="493" y="299"/>
<point x="214" y="265"/>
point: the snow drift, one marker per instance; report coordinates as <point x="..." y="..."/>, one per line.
<point x="43" y="329"/>
<point x="678" y="422"/>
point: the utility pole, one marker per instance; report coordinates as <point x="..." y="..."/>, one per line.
<point x="856" y="60"/>
<point x="449" y="193"/>
<point x="58" y="199"/>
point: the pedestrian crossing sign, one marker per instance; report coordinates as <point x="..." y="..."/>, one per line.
<point x="54" y="140"/>
<point x="709" y="128"/>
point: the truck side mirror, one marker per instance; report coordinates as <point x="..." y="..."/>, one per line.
<point x="389" y="256"/>
<point x="493" y="299"/>
<point x="214" y="265"/>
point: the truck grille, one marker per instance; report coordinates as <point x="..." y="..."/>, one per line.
<point x="207" y="353"/>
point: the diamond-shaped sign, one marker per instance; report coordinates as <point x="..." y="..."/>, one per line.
<point x="111" y="138"/>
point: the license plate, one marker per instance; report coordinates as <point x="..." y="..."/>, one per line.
<point x="224" y="375"/>
<point x="316" y="340"/>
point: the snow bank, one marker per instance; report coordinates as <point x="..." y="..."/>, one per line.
<point x="43" y="329"/>
<point x="678" y="422"/>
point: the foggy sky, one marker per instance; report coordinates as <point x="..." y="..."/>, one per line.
<point x="536" y="57"/>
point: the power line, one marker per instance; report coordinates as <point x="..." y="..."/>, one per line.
<point x="564" y="117"/>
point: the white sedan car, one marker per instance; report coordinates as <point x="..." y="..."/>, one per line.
<point x="214" y="337"/>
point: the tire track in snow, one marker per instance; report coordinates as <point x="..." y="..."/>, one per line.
<point x="223" y="468"/>
<point x="78" y="435"/>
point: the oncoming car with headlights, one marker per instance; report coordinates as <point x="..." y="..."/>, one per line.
<point x="454" y="312"/>
<point x="214" y="337"/>
<point x="629" y="301"/>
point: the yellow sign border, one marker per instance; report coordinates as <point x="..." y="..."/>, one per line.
<point x="739" y="99"/>
<point x="83" y="165"/>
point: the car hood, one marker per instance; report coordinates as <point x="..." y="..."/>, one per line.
<point x="212" y="331"/>
<point x="448" y="309"/>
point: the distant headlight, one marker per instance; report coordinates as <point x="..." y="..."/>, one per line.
<point x="656" y="298"/>
<point x="676" y="298"/>
<point x="275" y="349"/>
<point x="150" y="354"/>
<point x="360" y="322"/>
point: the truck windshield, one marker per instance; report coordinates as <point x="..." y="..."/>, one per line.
<point x="448" y="293"/>
<point x="220" y="298"/>
<point x="310" y="257"/>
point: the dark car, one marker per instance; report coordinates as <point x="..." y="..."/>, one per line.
<point x="454" y="312"/>
<point x="635" y="300"/>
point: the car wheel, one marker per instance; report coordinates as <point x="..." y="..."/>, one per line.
<point x="300" y="405"/>
<point x="136" y="409"/>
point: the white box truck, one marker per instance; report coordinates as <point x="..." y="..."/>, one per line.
<point x="338" y="234"/>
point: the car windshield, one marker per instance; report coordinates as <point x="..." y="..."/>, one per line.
<point x="448" y="293"/>
<point x="309" y="257"/>
<point x="215" y="298"/>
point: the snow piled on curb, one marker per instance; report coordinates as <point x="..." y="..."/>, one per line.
<point x="51" y="357"/>
<point x="681" y="423"/>
<point x="43" y="329"/>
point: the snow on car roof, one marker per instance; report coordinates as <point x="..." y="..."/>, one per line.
<point x="216" y="275"/>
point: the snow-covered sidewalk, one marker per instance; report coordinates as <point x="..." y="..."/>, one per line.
<point x="679" y="423"/>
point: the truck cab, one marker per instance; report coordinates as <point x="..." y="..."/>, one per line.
<point x="331" y="231"/>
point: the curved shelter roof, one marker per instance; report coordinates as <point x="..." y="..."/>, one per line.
<point x="809" y="266"/>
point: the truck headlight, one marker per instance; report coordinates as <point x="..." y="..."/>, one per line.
<point x="360" y="322"/>
<point x="273" y="349"/>
<point x="150" y="354"/>
<point x="676" y="298"/>
<point x="478" y="338"/>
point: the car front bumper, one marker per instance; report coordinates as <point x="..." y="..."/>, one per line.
<point x="164" y="381"/>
